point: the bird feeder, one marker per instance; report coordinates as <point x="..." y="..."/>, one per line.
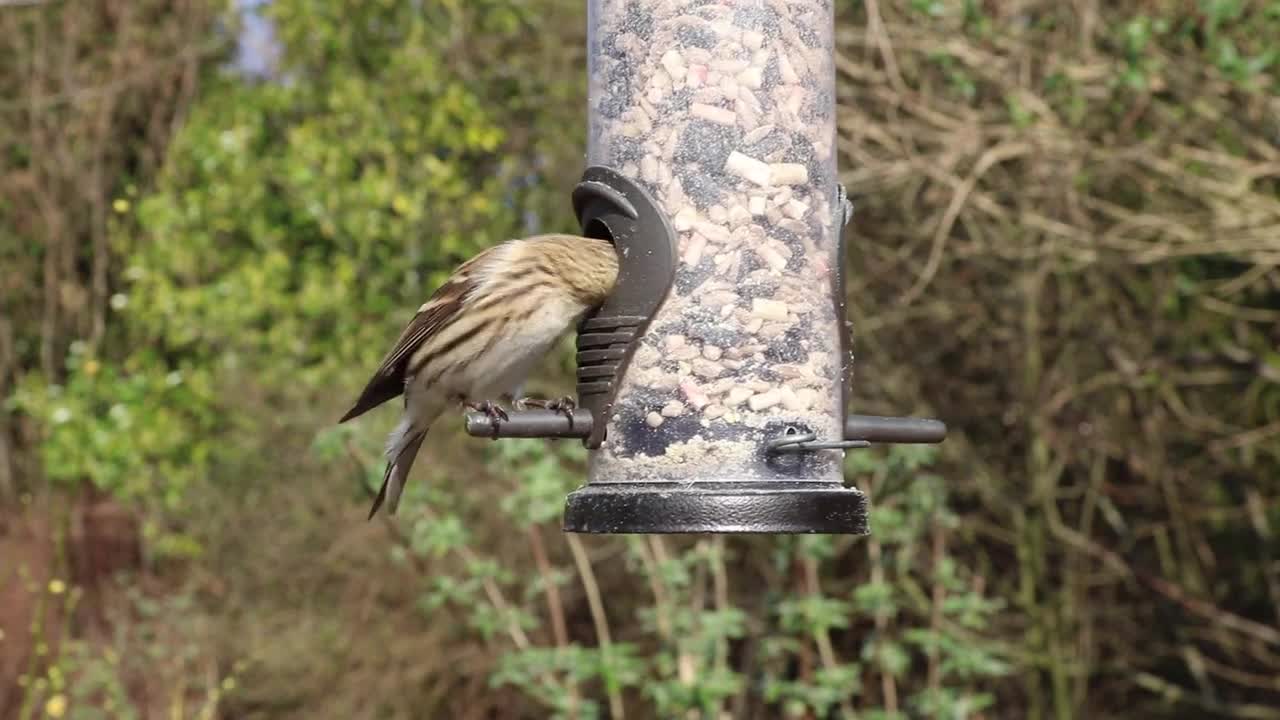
<point x="713" y="384"/>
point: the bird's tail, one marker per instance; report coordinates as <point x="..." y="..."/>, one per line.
<point x="402" y="449"/>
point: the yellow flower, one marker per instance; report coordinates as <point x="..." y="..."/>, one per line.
<point x="56" y="706"/>
<point x="91" y="367"/>
<point x="57" y="587"/>
<point x="120" y="205"/>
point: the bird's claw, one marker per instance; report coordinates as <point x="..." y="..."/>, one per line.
<point x="565" y="405"/>
<point x="495" y="413"/>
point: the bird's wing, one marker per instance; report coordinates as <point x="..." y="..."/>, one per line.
<point x="445" y="303"/>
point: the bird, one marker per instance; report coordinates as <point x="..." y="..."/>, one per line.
<point x="480" y="334"/>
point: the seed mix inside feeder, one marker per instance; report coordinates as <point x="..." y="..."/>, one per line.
<point x="713" y="383"/>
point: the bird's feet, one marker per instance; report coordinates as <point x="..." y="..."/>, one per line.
<point x="494" y="412"/>
<point x="565" y="405"/>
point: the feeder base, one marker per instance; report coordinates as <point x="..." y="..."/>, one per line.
<point x="716" y="507"/>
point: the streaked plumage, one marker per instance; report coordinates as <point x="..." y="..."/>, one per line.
<point x="480" y="335"/>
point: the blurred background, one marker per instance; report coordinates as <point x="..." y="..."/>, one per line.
<point x="214" y="218"/>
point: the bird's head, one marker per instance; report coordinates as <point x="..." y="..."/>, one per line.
<point x="587" y="266"/>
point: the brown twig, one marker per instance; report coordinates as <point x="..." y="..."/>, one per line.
<point x="598" y="617"/>
<point x="822" y="638"/>
<point x="888" y="686"/>
<point x="938" y="597"/>
<point x="555" y="607"/>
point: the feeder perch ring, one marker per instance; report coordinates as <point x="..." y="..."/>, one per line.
<point x="796" y="441"/>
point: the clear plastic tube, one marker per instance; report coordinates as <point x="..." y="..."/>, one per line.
<point x="725" y="113"/>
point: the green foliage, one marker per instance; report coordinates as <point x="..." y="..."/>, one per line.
<point x="282" y="212"/>
<point x="1228" y="35"/>
<point x="546" y="474"/>
<point x="293" y="228"/>
<point x="133" y="433"/>
<point x="78" y="679"/>
<point x="907" y="617"/>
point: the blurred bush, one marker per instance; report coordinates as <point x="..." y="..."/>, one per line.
<point x="1066" y="244"/>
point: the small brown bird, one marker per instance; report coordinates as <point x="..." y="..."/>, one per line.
<point x="481" y="334"/>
